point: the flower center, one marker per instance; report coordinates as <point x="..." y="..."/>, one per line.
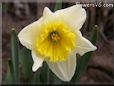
<point x="55" y="41"/>
<point x="55" y="37"/>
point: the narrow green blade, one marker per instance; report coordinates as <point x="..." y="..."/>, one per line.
<point x="14" y="51"/>
<point x="54" y="79"/>
<point x="26" y="62"/>
<point x="9" y="75"/>
<point x="41" y="75"/>
<point x="58" y="5"/>
<point x="36" y="77"/>
<point x="44" y="74"/>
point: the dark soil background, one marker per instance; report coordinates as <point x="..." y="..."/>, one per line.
<point x="101" y="67"/>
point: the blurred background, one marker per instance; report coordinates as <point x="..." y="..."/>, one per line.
<point x="100" y="68"/>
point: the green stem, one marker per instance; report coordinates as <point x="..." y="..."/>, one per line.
<point x="48" y="76"/>
<point x="58" y="5"/>
<point x="14" y="51"/>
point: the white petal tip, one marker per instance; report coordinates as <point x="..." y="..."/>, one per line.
<point x="47" y="12"/>
<point x="35" y="67"/>
<point x="46" y="8"/>
<point x="37" y="62"/>
<point x="94" y="48"/>
<point x="67" y="80"/>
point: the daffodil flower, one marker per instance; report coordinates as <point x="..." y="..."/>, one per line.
<point x="56" y="38"/>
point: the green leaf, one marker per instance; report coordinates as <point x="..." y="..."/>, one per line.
<point x="41" y="76"/>
<point x="14" y="51"/>
<point x="94" y="35"/>
<point x="44" y="73"/>
<point x="9" y="75"/>
<point x="83" y="61"/>
<point x="26" y="62"/>
<point x="54" y="79"/>
<point x="36" y="78"/>
<point x="58" y="5"/>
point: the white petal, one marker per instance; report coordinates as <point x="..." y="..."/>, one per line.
<point x="74" y="15"/>
<point x="37" y="62"/>
<point x="29" y="33"/>
<point x="64" y="70"/>
<point x="47" y="12"/>
<point x="83" y="45"/>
